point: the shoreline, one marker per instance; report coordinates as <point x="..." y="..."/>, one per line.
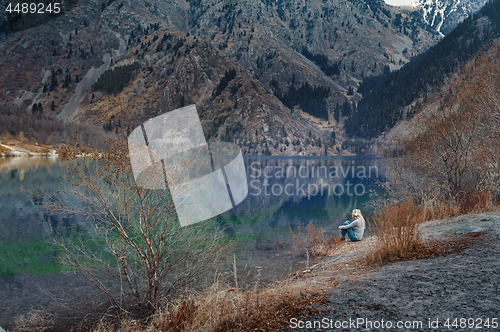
<point x="12" y="148"/>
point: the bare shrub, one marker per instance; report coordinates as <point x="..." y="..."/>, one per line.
<point x="133" y="250"/>
<point x="396" y="227"/>
<point x="452" y="155"/>
<point x="316" y="243"/>
<point x="50" y="131"/>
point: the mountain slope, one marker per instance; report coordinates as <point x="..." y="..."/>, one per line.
<point x="275" y="47"/>
<point x="384" y="97"/>
<point x="360" y="37"/>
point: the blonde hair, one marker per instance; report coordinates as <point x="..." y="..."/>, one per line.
<point x="356" y="213"/>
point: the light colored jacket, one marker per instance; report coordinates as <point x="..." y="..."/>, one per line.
<point x="357" y="227"/>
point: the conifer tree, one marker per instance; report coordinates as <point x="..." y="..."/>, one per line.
<point x="336" y="113"/>
<point x="53" y="81"/>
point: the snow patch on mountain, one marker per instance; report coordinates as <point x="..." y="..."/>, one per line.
<point x="444" y="15"/>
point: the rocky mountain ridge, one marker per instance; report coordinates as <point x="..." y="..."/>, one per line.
<point x="184" y="50"/>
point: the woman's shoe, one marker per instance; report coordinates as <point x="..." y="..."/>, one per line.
<point x="339" y="239"/>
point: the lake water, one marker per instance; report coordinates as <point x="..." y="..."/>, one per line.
<point x="283" y="193"/>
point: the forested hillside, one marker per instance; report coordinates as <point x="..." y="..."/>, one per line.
<point x="385" y="96"/>
<point x="255" y="69"/>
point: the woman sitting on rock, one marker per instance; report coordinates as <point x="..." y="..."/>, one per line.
<point x="354" y="229"/>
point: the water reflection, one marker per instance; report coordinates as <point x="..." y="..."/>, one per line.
<point x="295" y="191"/>
<point x="283" y="193"/>
<point x="288" y="193"/>
<point x="26" y="163"/>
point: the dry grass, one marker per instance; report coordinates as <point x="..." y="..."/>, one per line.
<point x="437" y="209"/>
<point x="477" y="201"/>
<point x="474" y="202"/>
<point x="398" y="237"/>
<point x="396" y="226"/>
<point x="37" y="320"/>
<point x="224" y="308"/>
<point x="316" y="243"/>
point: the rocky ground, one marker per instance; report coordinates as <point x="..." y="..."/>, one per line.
<point x="458" y="291"/>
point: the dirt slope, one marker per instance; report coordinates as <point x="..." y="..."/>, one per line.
<point x="461" y="285"/>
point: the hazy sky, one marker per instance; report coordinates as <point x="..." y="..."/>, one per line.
<point x="399" y="2"/>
